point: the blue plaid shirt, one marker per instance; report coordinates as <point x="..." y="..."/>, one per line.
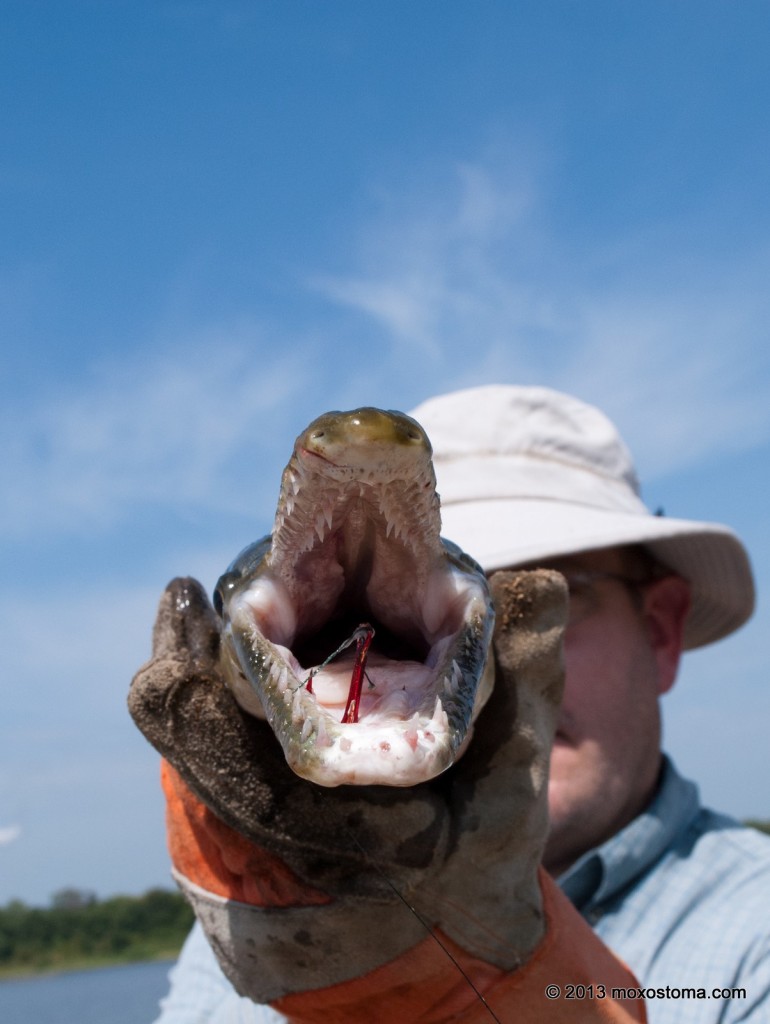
<point x="682" y="895"/>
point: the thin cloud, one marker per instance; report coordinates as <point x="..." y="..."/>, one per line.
<point x="158" y="429"/>
<point x="425" y="262"/>
<point x="680" y="371"/>
<point x="9" y="834"/>
<point x="478" y="287"/>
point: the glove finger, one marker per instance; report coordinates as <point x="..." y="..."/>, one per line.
<point x="185" y="655"/>
<point x="518" y="722"/>
<point x="186" y="626"/>
<point x="531" y="609"/>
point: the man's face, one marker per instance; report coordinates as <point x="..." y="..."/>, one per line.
<point x="622" y="646"/>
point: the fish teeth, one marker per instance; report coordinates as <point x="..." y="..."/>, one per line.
<point x="320" y="526"/>
<point x="322" y="736"/>
<point x="296" y="704"/>
<point x="452" y="680"/>
<point x="308" y="542"/>
<point x="307" y="728"/>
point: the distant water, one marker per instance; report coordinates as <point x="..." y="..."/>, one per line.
<point x="109" y="995"/>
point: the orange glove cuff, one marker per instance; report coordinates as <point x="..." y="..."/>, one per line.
<point x="425" y="986"/>
<point x="220" y="860"/>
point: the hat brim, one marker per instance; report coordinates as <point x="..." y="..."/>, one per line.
<point x="508" y="532"/>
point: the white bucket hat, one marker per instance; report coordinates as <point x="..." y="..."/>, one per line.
<point x="528" y="474"/>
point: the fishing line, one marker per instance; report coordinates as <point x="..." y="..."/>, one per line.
<point x="426" y="926"/>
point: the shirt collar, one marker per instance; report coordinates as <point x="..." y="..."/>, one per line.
<point x="604" y="871"/>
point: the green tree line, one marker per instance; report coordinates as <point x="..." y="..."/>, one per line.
<point x="762" y="826"/>
<point x="78" y="930"/>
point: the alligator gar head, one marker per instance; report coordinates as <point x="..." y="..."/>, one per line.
<point x="355" y="630"/>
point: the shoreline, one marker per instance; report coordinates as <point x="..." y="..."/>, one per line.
<point x="26" y="972"/>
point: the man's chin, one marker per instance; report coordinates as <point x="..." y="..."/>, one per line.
<point x="567" y="770"/>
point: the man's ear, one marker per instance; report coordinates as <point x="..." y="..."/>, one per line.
<point x="665" y="608"/>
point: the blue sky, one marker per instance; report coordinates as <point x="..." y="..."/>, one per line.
<point x="220" y="219"/>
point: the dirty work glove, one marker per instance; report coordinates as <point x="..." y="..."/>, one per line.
<point x="323" y="901"/>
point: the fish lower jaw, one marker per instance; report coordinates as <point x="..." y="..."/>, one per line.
<point x="403" y="735"/>
<point x="413" y="718"/>
<point x="369" y="752"/>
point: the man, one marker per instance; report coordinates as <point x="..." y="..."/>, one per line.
<point x="532" y="478"/>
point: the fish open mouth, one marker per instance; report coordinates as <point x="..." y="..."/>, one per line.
<point x="355" y="630"/>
